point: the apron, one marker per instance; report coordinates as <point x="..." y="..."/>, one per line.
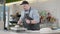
<point x="30" y="26"/>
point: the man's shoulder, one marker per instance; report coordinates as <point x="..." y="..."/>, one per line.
<point x="34" y="10"/>
<point x="22" y="11"/>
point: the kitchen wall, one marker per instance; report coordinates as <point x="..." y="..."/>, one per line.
<point x="58" y="10"/>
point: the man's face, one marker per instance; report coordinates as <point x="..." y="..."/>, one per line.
<point x="25" y="6"/>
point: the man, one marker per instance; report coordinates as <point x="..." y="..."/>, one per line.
<point x="31" y="23"/>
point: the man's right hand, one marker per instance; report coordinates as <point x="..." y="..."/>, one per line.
<point x="19" y="22"/>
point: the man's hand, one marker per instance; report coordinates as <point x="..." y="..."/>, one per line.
<point x="33" y="22"/>
<point x="27" y="21"/>
<point x="19" y="22"/>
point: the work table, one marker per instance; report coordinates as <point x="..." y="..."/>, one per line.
<point x="29" y="32"/>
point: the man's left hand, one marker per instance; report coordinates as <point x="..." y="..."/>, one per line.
<point x="33" y="22"/>
<point x="27" y="21"/>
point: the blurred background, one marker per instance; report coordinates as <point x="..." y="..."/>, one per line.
<point x="48" y="9"/>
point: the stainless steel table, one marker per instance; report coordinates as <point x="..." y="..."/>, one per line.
<point x="27" y="32"/>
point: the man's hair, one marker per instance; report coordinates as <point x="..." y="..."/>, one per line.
<point x="24" y="2"/>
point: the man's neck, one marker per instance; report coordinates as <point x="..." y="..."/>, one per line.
<point x="28" y="9"/>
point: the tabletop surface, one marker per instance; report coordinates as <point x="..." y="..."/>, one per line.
<point x="27" y="32"/>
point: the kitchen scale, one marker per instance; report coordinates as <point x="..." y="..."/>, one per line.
<point x="18" y="29"/>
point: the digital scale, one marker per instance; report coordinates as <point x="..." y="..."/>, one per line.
<point x="18" y="29"/>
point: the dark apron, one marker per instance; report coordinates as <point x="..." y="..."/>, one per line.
<point x="31" y="26"/>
